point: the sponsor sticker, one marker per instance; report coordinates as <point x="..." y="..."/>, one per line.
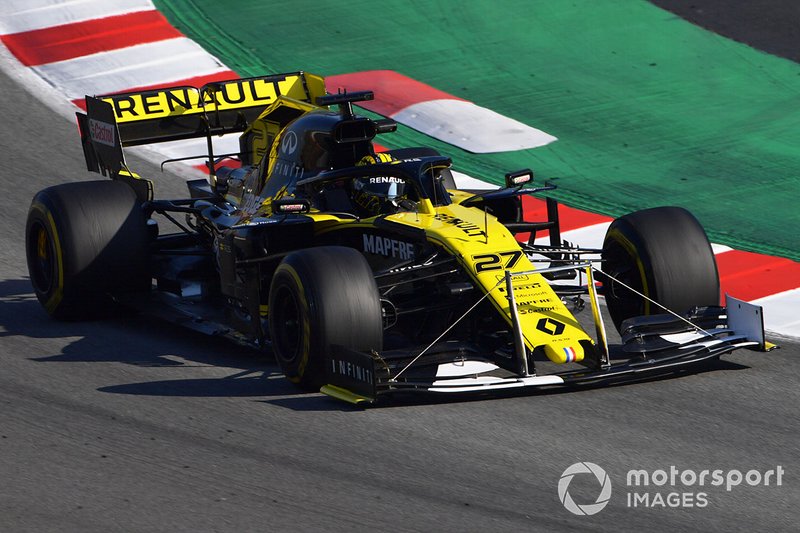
<point x="289" y="143"/>
<point x="387" y="247"/>
<point x="101" y="132"/>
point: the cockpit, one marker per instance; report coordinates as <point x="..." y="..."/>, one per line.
<point x="383" y="188"/>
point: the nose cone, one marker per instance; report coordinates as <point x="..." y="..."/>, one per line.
<point x="564" y="353"/>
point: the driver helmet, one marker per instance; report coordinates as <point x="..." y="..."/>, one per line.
<point x="375" y="192"/>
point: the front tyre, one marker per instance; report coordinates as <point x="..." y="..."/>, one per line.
<point x="320" y="297"/>
<point x="84" y="242"/>
<point x="662" y="253"/>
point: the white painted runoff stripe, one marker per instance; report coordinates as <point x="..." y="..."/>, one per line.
<point x="720" y="248"/>
<point x="134" y="66"/>
<point x="593" y="236"/>
<point x="781" y="314"/>
<point x="439" y="114"/>
<point x="25" y="15"/>
<point x="463" y="181"/>
<point x="471" y="127"/>
<point x="586" y="237"/>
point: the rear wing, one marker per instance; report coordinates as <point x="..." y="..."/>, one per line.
<point x="182" y="112"/>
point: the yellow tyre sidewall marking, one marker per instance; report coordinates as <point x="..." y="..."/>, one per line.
<point x="304" y="316"/>
<point x="631" y="249"/>
<point x="58" y="291"/>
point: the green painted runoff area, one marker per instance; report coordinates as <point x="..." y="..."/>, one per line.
<point x="648" y="108"/>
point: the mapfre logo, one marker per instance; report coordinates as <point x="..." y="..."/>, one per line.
<point x="589" y="508"/>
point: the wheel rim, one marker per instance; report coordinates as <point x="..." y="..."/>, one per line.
<point x="42" y="259"/>
<point x="287" y="331"/>
<point x="622" y="302"/>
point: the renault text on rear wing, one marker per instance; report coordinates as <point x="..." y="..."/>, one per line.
<point x="185" y="112"/>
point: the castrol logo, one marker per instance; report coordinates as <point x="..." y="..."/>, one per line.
<point x="101" y="132"/>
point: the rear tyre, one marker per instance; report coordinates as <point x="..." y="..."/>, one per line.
<point x="663" y="253"/>
<point x="320" y="297"/>
<point x="84" y="242"/>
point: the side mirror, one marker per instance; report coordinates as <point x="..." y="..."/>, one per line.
<point x="519" y="178"/>
<point x="386" y="125"/>
<point x="291" y="206"/>
<point x="355" y="130"/>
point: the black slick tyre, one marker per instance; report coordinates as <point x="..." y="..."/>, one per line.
<point x="321" y="297"/>
<point x="84" y="242"/>
<point x="663" y="253"/>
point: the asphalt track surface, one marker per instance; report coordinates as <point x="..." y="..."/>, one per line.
<point x="128" y="424"/>
<point x="769" y="25"/>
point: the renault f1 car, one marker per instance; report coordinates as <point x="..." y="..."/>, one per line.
<point x="366" y="273"/>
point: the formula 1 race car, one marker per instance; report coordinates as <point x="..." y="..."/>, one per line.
<point x="364" y="272"/>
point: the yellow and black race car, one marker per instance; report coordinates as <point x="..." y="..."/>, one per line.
<point x="366" y="272"/>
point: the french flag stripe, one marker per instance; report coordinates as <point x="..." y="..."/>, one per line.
<point x="441" y="115"/>
<point x="68" y="41"/>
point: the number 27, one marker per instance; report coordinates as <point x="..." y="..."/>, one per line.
<point x="486" y="262"/>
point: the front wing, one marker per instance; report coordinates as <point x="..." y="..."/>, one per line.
<point x="657" y="345"/>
